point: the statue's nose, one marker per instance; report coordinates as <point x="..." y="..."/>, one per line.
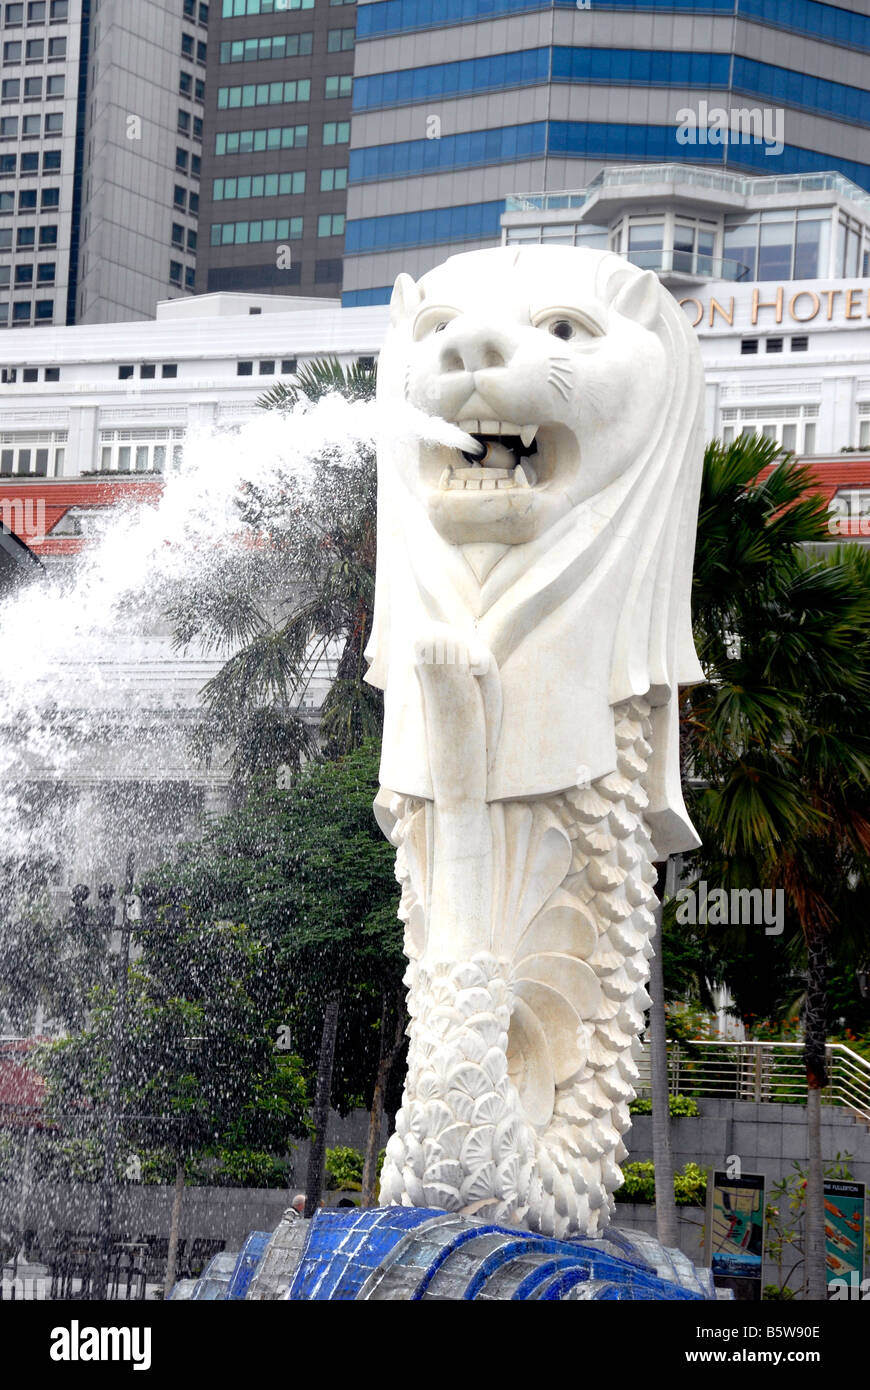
<point x="471" y="348"/>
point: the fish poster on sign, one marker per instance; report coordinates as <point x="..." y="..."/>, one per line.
<point x="735" y="1228"/>
<point x="844" y="1230"/>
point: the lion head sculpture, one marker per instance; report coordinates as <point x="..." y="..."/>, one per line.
<point x="563" y="538"/>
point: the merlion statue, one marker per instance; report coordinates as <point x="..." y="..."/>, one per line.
<point x="532" y="626"/>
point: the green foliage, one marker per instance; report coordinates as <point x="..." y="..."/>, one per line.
<point x="197" y="1070"/>
<point x="313" y="877"/>
<point x="344" y="1167"/>
<point x="777" y="737"/>
<point x="639" y="1184"/>
<point x="678" y="1106"/>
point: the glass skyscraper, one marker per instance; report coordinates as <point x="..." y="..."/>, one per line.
<point x="459" y="105"/>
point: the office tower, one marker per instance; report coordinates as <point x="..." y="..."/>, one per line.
<point x="461" y="104"/>
<point x="100" y="129"/>
<point x="277" y="131"/>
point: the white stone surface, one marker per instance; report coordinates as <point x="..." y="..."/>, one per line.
<point x="532" y="627"/>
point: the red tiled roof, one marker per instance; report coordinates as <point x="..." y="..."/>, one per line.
<point x="22" y="1091"/>
<point x="831" y="475"/>
<point x="57" y="498"/>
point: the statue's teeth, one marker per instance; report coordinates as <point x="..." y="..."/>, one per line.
<point x="527" y="434"/>
<point x="524" y="475"/>
<point x="444" y="479"/>
<point x="490" y="427"/>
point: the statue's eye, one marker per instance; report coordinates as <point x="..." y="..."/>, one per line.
<point x="562" y="329"/>
<point x="440" y="327"/>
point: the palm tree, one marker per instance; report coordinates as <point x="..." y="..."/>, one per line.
<point x="776" y="738"/>
<point x="304" y="593"/>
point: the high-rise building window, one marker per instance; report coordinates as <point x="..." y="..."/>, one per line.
<point x="12" y="52"/>
<point x="21" y="314"/>
<point x="191" y="241"/>
<point x="26" y="237"/>
<point x="8" y="127"/>
<point x="50" y="198"/>
<point x="188" y="8"/>
<point x="193" y="204"/>
<point x="233" y="9"/>
<point x="36" y="11"/>
<point x="147" y="371"/>
<point x="332" y="179"/>
<point x="263" y="50"/>
<point x="14" y="15"/>
<point x="32" y="88"/>
<point x="185" y="83"/>
<point x="188" y="43"/>
<point x="54" y="123"/>
<point x="286" y="137"/>
<point x="54" y="86"/>
<point x="35" y="50"/>
<point x="203" y="14"/>
<point x="169" y="369"/>
<point x="27" y="200"/>
<point x="244" y="369"/>
<point x="175" y="268"/>
<point x="51" y="161"/>
<point x="56" y="49"/>
<point x="197" y="127"/>
<point x="59" y="10"/>
<point x="181" y="158"/>
<point x="180" y="197"/>
<point x="177" y="234"/>
<point x="10" y="89"/>
<point x="336" y="132"/>
<point x="23" y="276"/>
<point x="330" y="224"/>
<point x="269" y="229"/>
<point x="48" y="235"/>
<point x="195" y="165"/>
<point x="7" y="201"/>
<point x="8" y="163"/>
<point x="201" y="52"/>
<point x="31" y="125"/>
<point x="259" y="186"/>
<point x="339" y="40"/>
<point x="264" y="94"/>
<point x="183" y="125"/>
<point x="30" y="162"/>
<point x="199" y="90"/>
<point x="45" y="273"/>
<point x="338" y="87"/>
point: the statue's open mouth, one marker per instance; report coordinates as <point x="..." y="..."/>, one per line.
<point x="504" y="458"/>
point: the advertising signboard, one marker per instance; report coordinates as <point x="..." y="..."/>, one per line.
<point x="735" y="1230"/>
<point x="844" y="1231"/>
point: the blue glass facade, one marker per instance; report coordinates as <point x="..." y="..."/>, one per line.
<point x="468" y="222"/>
<point x="612" y="66"/>
<point x="476" y="147"/>
<point x="583" y="140"/>
<point x="816" y="20"/>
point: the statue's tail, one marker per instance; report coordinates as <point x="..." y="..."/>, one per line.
<point x="521" y="1070"/>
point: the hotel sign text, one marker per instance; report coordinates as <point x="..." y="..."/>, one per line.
<point x="781" y="304"/>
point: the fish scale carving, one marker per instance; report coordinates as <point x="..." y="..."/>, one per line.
<point x="469" y="1136"/>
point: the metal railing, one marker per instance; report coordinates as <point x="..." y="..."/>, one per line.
<point x="771" y="1072"/>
